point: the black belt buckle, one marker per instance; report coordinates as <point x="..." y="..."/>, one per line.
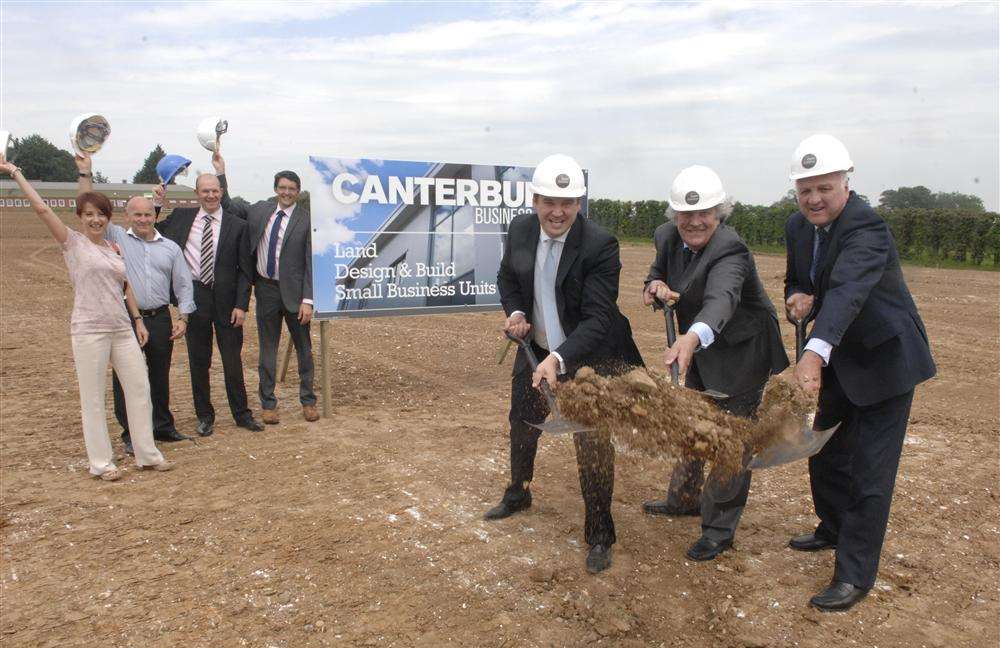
<point x="153" y="312"/>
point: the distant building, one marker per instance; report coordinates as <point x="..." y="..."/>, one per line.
<point x="62" y="195"/>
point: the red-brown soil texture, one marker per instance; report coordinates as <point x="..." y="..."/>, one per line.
<point x="366" y="529"/>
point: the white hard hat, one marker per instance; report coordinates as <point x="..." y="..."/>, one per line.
<point x="818" y="155"/>
<point x="695" y="188"/>
<point x="210" y="130"/>
<point x="558" y="176"/>
<point x="88" y="132"/>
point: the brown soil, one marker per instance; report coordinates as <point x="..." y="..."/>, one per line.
<point x="643" y="411"/>
<point x="365" y="529"/>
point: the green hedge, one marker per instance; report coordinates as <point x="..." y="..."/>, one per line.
<point x="963" y="237"/>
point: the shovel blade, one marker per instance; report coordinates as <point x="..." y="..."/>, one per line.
<point x="559" y="426"/>
<point x="804" y="444"/>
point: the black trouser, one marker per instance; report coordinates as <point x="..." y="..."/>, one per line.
<point x="159" y="350"/>
<point x="270" y="313"/>
<point x="229" y="339"/>
<point x="853" y="476"/>
<point x="595" y="458"/>
<point x="719" y="519"/>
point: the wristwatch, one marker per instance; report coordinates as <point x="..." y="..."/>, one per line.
<point x="137" y="317"/>
<point x="183" y="317"/>
<point x="85" y="175"/>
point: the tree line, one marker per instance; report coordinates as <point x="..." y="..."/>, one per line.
<point x="960" y="231"/>
<point x="928" y="226"/>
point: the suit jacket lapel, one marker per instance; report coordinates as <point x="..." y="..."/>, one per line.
<point x="570" y="251"/>
<point x="225" y="231"/>
<point x="531" y="247"/>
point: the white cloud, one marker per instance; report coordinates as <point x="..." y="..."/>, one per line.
<point x="636" y="91"/>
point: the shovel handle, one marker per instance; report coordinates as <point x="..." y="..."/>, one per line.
<point x="800" y="332"/>
<point x="533" y="362"/>
<point x="668" y="314"/>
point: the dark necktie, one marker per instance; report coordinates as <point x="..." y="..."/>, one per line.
<point x="207" y="274"/>
<point x="688" y="256"/>
<point x="821" y="246"/>
<point x="272" y="245"/>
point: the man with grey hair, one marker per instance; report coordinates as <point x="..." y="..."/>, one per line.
<point x="706" y="272"/>
<point x="154" y="266"/>
<point x="866" y="353"/>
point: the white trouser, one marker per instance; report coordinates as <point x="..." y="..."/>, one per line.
<point x="92" y="352"/>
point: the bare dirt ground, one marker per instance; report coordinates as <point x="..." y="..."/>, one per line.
<point x="365" y="529"/>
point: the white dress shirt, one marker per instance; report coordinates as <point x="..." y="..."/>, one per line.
<point x="538" y="326"/>
<point x="192" y="250"/>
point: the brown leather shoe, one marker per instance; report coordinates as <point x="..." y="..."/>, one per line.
<point x="310" y="413"/>
<point x="269" y="416"/>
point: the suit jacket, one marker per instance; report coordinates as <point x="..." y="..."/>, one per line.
<point x="295" y="259"/>
<point x="862" y="305"/>
<point x="233" y="265"/>
<point x="597" y="334"/>
<point x="721" y="288"/>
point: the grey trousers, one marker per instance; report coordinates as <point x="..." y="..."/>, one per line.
<point x="718" y="518"/>
<point x="270" y="314"/>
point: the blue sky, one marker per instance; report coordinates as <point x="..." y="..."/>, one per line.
<point x="635" y="91"/>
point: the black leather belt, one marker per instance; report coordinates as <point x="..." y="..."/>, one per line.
<point x="153" y="312"/>
<point x="270" y="282"/>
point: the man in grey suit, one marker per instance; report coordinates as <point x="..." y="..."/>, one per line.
<point x="724" y="314"/>
<point x="281" y="244"/>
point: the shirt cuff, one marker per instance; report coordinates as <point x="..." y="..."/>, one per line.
<point x="822" y="348"/>
<point x="307" y="301"/>
<point x="704" y="332"/>
<point x="562" y="365"/>
<point x="516" y="312"/>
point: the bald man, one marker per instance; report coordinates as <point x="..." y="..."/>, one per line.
<point x="153" y="265"/>
<point x="216" y="249"/>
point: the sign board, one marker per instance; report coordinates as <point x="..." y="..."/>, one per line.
<point x="393" y="237"/>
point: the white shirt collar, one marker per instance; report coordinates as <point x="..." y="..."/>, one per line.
<point x="543" y="237"/>
<point x="288" y="211"/>
<point x="216" y="215"/>
<point x="156" y="234"/>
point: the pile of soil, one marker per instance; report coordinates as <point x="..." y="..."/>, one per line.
<point x="643" y="411"/>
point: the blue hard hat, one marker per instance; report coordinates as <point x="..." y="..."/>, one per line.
<point x="171" y="166"/>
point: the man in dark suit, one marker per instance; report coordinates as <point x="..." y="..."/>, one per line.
<point x="725" y="315"/>
<point x="216" y="248"/>
<point x="558" y="282"/>
<point x="279" y="231"/>
<point x="866" y="353"/>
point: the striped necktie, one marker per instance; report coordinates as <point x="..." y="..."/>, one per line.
<point x="207" y="274"/>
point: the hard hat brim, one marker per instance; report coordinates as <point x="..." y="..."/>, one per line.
<point x="555" y="192"/>
<point x="684" y="207"/>
<point x="812" y="173"/>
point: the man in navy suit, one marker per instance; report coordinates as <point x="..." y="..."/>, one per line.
<point x="216" y="248"/>
<point x="865" y="354"/>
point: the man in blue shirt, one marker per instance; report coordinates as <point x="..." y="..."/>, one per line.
<point x="154" y="265"/>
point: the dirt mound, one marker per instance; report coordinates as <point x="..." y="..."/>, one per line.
<point x="644" y="412"/>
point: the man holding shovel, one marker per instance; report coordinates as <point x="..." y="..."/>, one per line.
<point x="558" y="284"/>
<point x="867" y="351"/>
<point x="704" y="271"/>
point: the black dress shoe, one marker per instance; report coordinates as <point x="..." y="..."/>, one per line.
<point x="810" y="542"/>
<point x="661" y="507"/>
<point x="206" y="427"/>
<point x="598" y="559"/>
<point x="838" y="596"/>
<point x="170" y="437"/>
<point x="506" y="509"/>
<point x="707" y="549"/>
<point x="127" y="444"/>
<point x="251" y="424"/>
